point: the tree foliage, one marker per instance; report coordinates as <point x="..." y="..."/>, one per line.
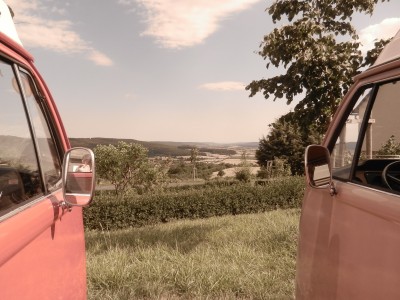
<point x="391" y="147"/>
<point x="183" y="170"/>
<point x="278" y="167"/>
<point x="286" y="141"/>
<point x="320" y="53"/>
<point x="127" y="166"/>
<point x="194" y="152"/>
<point x="243" y="172"/>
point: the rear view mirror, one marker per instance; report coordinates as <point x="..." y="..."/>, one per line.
<point x="78" y="177"/>
<point x="318" y="167"/>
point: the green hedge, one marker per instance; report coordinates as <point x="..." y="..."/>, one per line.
<point x="216" y="200"/>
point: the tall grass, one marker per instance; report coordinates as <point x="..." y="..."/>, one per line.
<point x="232" y="257"/>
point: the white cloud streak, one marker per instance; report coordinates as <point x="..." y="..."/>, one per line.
<point x="54" y="35"/>
<point x="99" y="58"/>
<point x="178" y="24"/>
<point x="224" y="86"/>
<point x="373" y="33"/>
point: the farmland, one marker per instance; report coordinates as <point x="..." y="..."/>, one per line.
<point x="229" y="156"/>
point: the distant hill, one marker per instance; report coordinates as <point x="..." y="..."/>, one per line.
<point x="155" y="148"/>
<point x="166" y="148"/>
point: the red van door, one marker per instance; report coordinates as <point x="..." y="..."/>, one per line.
<point x="42" y="243"/>
<point x="350" y="224"/>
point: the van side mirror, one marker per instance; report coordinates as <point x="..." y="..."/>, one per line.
<point x="78" y="177"/>
<point x="318" y="167"/>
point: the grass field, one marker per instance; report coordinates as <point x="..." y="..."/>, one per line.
<point x="232" y="257"/>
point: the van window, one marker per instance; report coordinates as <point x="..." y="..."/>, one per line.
<point x="370" y="140"/>
<point x="20" y="171"/>
<point x="48" y="154"/>
<point x="343" y="152"/>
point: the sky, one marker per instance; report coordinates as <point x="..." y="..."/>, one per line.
<point x="162" y="70"/>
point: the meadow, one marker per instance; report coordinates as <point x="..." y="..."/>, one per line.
<point x="248" y="256"/>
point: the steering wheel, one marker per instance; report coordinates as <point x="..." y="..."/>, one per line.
<point x="389" y="179"/>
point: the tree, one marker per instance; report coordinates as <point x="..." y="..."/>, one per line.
<point x="373" y="54"/>
<point x="391" y="147"/>
<point x="243" y="172"/>
<point x="277" y="167"/>
<point x="126" y="166"/>
<point x="193" y="159"/>
<point x="320" y="53"/>
<point x="286" y="141"/>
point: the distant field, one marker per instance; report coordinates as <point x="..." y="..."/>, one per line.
<point x="231" y="257"/>
<point x="230" y="172"/>
<point x="165" y="148"/>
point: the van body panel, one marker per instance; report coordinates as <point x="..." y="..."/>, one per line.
<point x="43" y="246"/>
<point x="41" y="234"/>
<point x="51" y="262"/>
<point x="390" y="52"/>
<point x="349" y="245"/>
<point x="27" y="224"/>
<point x="349" y="240"/>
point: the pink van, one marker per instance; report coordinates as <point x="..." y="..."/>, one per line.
<point x="349" y="246"/>
<point x="41" y="188"/>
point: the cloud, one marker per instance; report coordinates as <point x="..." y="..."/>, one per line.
<point x="224" y="86"/>
<point x="373" y="33"/>
<point x="126" y="2"/>
<point x="55" y="35"/>
<point x="182" y="23"/>
<point x="99" y="58"/>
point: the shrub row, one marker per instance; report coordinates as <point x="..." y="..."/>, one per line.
<point x="108" y="213"/>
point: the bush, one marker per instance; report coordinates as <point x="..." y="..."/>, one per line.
<point x="278" y="168"/>
<point x="184" y="170"/>
<point x="212" y="200"/>
<point x="243" y="174"/>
